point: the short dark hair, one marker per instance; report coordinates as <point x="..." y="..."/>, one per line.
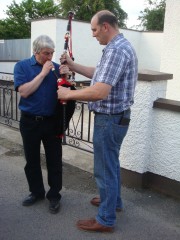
<point x="107" y="16"/>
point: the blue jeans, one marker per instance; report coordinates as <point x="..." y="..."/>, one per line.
<point x="107" y="139"/>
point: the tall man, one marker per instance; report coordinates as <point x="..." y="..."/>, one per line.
<point x="110" y="97"/>
<point x="37" y="86"/>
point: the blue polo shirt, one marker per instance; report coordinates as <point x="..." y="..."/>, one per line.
<point x="43" y="101"/>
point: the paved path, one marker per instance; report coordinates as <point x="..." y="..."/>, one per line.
<point x="147" y="215"/>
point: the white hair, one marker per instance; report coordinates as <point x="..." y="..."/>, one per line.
<point x="41" y="42"/>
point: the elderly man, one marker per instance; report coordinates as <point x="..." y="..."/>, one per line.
<point x="37" y="86"/>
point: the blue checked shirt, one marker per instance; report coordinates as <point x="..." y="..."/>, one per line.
<point x="118" y="67"/>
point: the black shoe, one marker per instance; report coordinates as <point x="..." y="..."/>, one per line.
<point x="54" y="205"/>
<point x="31" y="199"/>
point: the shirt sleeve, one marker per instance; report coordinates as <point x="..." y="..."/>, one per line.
<point x="112" y="66"/>
<point x="19" y="75"/>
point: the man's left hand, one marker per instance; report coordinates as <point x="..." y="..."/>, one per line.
<point x="63" y="93"/>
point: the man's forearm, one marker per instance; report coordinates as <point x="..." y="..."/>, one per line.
<point x="83" y="70"/>
<point x="27" y="89"/>
<point x="96" y="92"/>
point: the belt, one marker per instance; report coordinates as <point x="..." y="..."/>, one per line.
<point x="120" y="113"/>
<point x="36" y="118"/>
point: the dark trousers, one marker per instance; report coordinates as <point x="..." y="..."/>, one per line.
<point x="34" y="132"/>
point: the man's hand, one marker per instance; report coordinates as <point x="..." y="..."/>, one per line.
<point x="64" y="69"/>
<point x="65" y="59"/>
<point x="47" y="67"/>
<point x="63" y="93"/>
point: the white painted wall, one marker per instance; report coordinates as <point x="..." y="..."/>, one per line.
<point x="155" y="50"/>
<point x="153" y="140"/>
<point x="7" y="67"/>
<point x="149" y="46"/>
<point x="135" y="154"/>
<point x="170" y="57"/>
<point x="165" y="144"/>
<point x="149" y="55"/>
<point x="87" y="50"/>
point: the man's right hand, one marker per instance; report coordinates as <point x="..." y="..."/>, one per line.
<point x="64" y="69"/>
<point x="47" y="67"/>
<point x="65" y="59"/>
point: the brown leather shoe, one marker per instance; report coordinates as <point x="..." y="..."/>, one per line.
<point x="96" y="202"/>
<point x="93" y="225"/>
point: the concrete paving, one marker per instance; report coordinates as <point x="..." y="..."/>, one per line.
<point x="147" y="215"/>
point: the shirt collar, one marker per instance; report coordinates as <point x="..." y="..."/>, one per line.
<point x="118" y="36"/>
<point x="33" y="61"/>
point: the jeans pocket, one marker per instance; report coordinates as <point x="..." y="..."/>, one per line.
<point x="119" y="132"/>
